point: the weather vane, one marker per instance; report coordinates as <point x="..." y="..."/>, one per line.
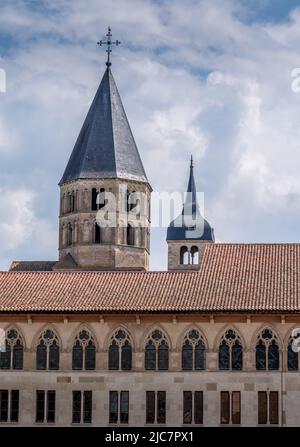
<point x="109" y="43"/>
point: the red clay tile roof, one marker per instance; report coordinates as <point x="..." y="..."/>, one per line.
<point x="232" y="278"/>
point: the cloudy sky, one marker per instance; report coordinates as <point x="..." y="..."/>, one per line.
<point x="210" y="78"/>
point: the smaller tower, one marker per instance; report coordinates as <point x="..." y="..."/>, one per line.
<point x="188" y="234"/>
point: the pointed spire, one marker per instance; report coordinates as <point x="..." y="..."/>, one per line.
<point x="105" y="147"/>
<point x="191" y="205"/>
<point x="179" y="227"/>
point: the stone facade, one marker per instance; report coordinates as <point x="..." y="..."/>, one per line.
<point x="77" y="226"/>
<point x="137" y="381"/>
<point x="174" y="255"/>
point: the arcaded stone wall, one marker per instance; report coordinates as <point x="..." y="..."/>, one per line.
<point x="112" y="252"/>
<point x="138" y="381"/>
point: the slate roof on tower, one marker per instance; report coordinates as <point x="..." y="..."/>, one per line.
<point x="180" y="228"/>
<point x="105" y="147"/>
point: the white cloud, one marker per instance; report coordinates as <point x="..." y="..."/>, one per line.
<point x="20" y="227"/>
<point x="194" y="78"/>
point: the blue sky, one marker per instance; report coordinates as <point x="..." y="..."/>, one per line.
<point x="211" y="78"/>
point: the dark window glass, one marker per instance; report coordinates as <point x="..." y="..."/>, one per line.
<point x="40" y="406"/>
<point x="237" y="356"/>
<point x="161" y="407"/>
<point x="113" y="406"/>
<point x="199" y="356"/>
<point x="292" y="359"/>
<point x="124" y="407"/>
<point x="260" y="356"/>
<point x="236" y="407"/>
<point x="90" y="356"/>
<point x="41" y="356"/>
<point x="198" y="407"/>
<point x="94" y="199"/>
<point x="163" y="356"/>
<point x="187" y="356"/>
<point x="184" y="254"/>
<point x="3" y="405"/>
<point x="150" y="407"/>
<point x="130" y="235"/>
<point x="77" y="356"/>
<point x="14" y="405"/>
<point x="225" y="407"/>
<point x="18" y="355"/>
<point x="273" y="408"/>
<point x="113" y="356"/>
<point x="97" y="233"/>
<point x="51" y="406"/>
<point x="87" y="407"/>
<point x="262" y="407"/>
<point x="76" y="413"/>
<point x="54" y="356"/>
<point x="224" y="355"/>
<point x="150" y="356"/>
<point x="5" y="358"/>
<point x="273" y="356"/>
<point x="187" y="407"/>
<point x="126" y="356"/>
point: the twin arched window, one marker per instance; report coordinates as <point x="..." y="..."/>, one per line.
<point x="231" y="351"/>
<point x="84" y="352"/>
<point x="188" y="257"/>
<point x="120" y="351"/>
<point x="47" y="351"/>
<point x="193" y="351"/>
<point x="267" y="351"/>
<point x="12" y="358"/>
<point x="157" y="351"/>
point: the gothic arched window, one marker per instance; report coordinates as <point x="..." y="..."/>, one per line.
<point x="47" y="351"/>
<point x="84" y="352"/>
<point x="292" y="357"/>
<point x="120" y="351"/>
<point x="193" y="351"/>
<point x="194" y="255"/>
<point x="231" y="351"/>
<point x="267" y="351"/>
<point x="12" y="358"/>
<point x="184" y="256"/>
<point x="157" y="351"/>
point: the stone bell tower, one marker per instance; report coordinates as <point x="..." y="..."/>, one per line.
<point x="188" y="234"/>
<point x="105" y="164"/>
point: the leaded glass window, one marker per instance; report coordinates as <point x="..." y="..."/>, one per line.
<point x="157" y="351"/>
<point x="84" y="351"/>
<point x="231" y="351"/>
<point x="120" y="351"/>
<point x="193" y="351"/>
<point x="47" y="351"/>
<point x="12" y="358"/>
<point x="267" y="351"/>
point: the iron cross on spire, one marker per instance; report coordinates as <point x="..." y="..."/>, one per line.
<point x="109" y="43"/>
